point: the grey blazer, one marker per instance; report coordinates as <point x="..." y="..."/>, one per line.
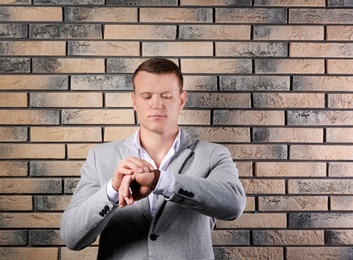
<point x="206" y="188"/>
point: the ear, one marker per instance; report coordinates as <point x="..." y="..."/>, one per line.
<point x="133" y="97"/>
<point x="183" y="99"/>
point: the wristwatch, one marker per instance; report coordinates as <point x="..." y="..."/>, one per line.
<point x="157" y="173"/>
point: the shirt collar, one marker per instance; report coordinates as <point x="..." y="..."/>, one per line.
<point x="138" y="148"/>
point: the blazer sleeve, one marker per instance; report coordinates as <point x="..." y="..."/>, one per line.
<point x="209" y="184"/>
<point x="89" y="209"/>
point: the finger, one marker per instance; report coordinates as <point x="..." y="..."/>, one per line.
<point x="122" y="202"/>
<point x="118" y="175"/>
<point x="125" y="189"/>
<point x="139" y="165"/>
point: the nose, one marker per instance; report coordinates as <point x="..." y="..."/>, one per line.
<point x="157" y="102"/>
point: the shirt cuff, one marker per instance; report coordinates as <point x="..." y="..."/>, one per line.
<point x="165" y="184"/>
<point x="112" y="194"/>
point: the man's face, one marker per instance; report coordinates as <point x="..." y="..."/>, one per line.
<point x="158" y="101"/>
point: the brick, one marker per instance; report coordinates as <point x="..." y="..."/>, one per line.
<point x="320" y="152"/>
<point x="54" y="99"/>
<point x="329" y="186"/>
<point x="293" y="203"/>
<point x="13" y="31"/>
<point x="13" y="168"/>
<point x="340" y="169"/>
<point x="78" y="151"/>
<point x="320" y="220"/>
<point x="340" y="101"/>
<point x="73" y="65"/>
<point x="14" y="65"/>
<point x="339" y="33"/>
<point x="13" y="99"/>
<point x="340" y="66"/>
<point x="249" y="253"/>
<point x="218" y="100"/>
<point x="98" y="116"/>
<point x="118" y="65"/>
<point x="341" y="203"/>
<point x="177" y="48"/>
<point x="261" y="186"/>
<point x="250" y="204"/>
<point x="308" y="49"/>
<point x="245" y="170"/>
<point x="70" y="2"/>
<point x="30" y="220"/>
<point x="29" y="117"/>
<point x="290" y="169"/>
<point x="214" y="32"/>
<point x="118" y="133"/>
<point x="45" y="238"/>
<point x="317" y="117"/>
<point x="29" y="253"/>
<point x="202" y="83"/>
<point x="290" y="66"/>
<point x="322" y="83"/>
<point x="13" y="134"/>
<point x="220" y="134"/>
<point x="103" y="48"/>
<point x="259" y="220"/>
<point x="55" y="168"/>
<point x="51" y="203"/>
<point x="230" y="237"/>
<point x="256" y="152"/>
<point x="15" y="2"/>
<point x="15" y="203"/>
<point x="339" y="135"/>
<point x="288" y="32"/>
<point x="288" y="237"/>
<point x="139" y="31"/>
<point x="176" y="15"/>
<point x="33" y="82"/>
<point x="251" y="15"/>
<point x="215" y="2"/>
<point x="288" y="100"/>
<point x="247" y="117"/>
<point x="194" y="117"/>
<point x="32" y="151"/>
<point x="70" y="185"/>
<point x="106" y="82"/>
<point x="254" y="83"/>
<point x="118" y="100"/>
<point x="288" y="135"/>
<point x="252" y="49"/>
<point x="339" y="3"/>
<point x="91" y="14"/>
<point x="29" y="186"/>
<point x="89" y="253"/>
<point x="339" y="237"/>
<point x="33" y="14"/>
<point x="216" y="66"/>
<point x="142" y="2"/>
<point x="66" y="134"/>
<point x="65" y="31"/>
<point x="38" y="48"/>
<point x="320" y="16"/>
<point x="13" y="238"/>
<point x="289" y="3"/>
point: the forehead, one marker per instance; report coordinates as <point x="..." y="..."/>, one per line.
<point x="145" y="81"/>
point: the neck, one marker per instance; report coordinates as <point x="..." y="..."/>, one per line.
<point x="157" y="145"/>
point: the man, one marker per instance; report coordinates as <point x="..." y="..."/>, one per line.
<point x="156" y="194"/>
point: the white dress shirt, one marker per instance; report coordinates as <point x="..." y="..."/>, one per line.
<point x="166" y="180"/>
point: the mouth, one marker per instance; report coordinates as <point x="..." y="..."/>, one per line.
<point x="157" y="116"/>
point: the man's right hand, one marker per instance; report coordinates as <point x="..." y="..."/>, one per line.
<point x="128" y="166"/>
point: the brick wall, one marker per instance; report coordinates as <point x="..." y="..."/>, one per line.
<point x="270" y="79"/>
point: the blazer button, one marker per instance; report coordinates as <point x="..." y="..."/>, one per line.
<point x="153" y="237"/>
<point x="101" y="214"/>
